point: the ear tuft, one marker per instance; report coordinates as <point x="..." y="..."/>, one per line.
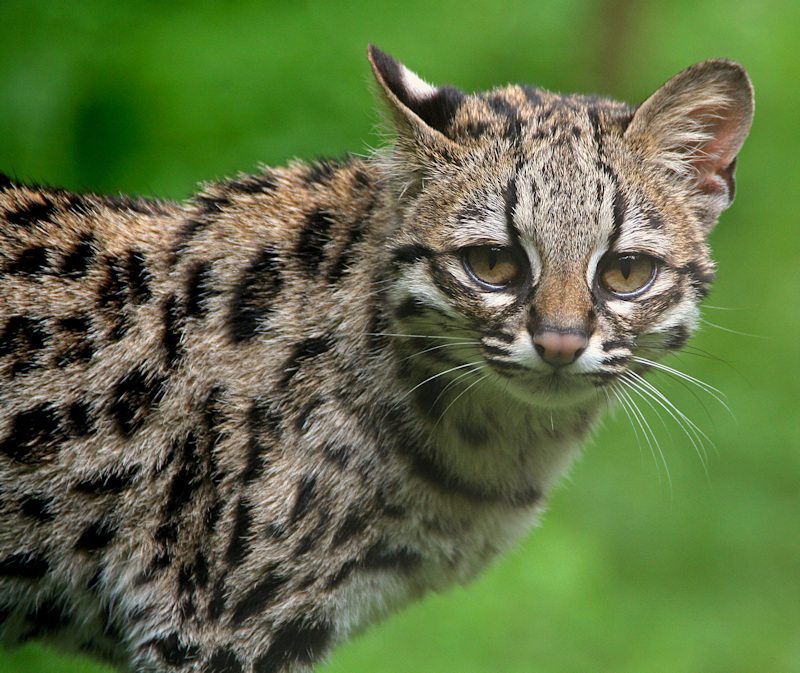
<point x="413" y="101"/>
<point x="695" y="126"/>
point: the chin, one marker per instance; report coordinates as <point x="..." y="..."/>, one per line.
<point x="552" y="391"/>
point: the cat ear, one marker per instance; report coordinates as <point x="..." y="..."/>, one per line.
<point x="695" y="126"/>
<point x="418" y="109"/>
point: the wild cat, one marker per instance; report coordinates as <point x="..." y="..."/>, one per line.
<point x="233" y="431"/>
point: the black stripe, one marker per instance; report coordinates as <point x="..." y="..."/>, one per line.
<point x="199" y="288"/>
<point x="298" y="641"/>
<point x="448" y="483"/>
<point x="620" y="208"/>
<point x="313" y="239"/>
<point x="303" y="352"/>
<point x="107" y="482"/>
<point x="138" y="277"/>
<point x="256" y="600"/>
<point x="254" y="184"/>
<point x="135" y="395"/>
<point x="510" y="198"/>
<point x="254" y="294"/>
<point x="354" y="524"/>
<point x="304" y="497"/>
<point x="172" y="315"/>
<point x="383" y="557"/>
<point x="238" y="546"/>
<point x="408" y="254"/>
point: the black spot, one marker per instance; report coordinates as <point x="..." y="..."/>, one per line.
<point x="110" y="481"/>
<point x="342" y="263"/>
<point x="35" y="435"/>
<point x="5" y="182"/>
<point x="31" y="261"/>
<point x="133" y="398"/>
<point x="238" y="545"/>
<point x="390" y="509"/>
<point x="45" y="619"/>
<point x="310" y="539"/>
<point x="254" y="184"/>
<point x="76" y="262"/>
<point x="354" y="524"/>
<point x="296" y="641"/>
<point x="24" y="566"/>
<point x="305" y="495"/>
<point x="223" y="661"/>
<point x="313" y="239"/>
<point x="31" y="213"/>
<point x="199" y="288"/>
<point x="191" y="228"/>
<point x="254" y="294"/>
<point x="24" y="337"/>
<point x="259" y="597"/>
<point x="79" y="423"/>
<point x="677" y="337"/>
<point x="410" y="307"/>
<point x="172" y="651"/>
<point x="138" y="277"/>
<point x="304" y="351"/>
<point x="39" y="507"/>
<point x="96" y="536"/>
<point x="77" y="345"/>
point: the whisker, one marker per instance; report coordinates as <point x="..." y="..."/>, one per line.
<point x="440" y="346"/>
<point x="696" y="436"/>
<point x="732" y="331"/>
<point x="438" y="374"/>
<point x="458" y="397"/>
<point x="717" y="394"/>
<point x="411" y="336"/>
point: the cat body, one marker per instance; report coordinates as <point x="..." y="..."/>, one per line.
<point x="237" y="430"/>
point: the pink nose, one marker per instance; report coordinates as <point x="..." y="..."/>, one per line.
<point x="559" y="348"/>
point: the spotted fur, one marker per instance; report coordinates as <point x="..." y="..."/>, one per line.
<point x="237" y="429"/>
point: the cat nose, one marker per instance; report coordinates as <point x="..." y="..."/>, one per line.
<point x="559" y="348"/>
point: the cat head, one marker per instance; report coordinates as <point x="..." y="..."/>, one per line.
<point x="563" y="236"/>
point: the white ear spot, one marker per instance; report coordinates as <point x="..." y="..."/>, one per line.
<point x="417" y="87"/>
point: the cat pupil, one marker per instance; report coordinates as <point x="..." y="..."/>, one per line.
<point x="625" y="267"/>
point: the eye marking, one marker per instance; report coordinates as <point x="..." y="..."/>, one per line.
<point x="627" y="275"/>
<point x="493" y="268"/>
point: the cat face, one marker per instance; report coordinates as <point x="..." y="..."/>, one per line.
<point x="562" y="240"/>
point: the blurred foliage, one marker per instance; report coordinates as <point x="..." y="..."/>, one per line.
<point x="631" y="572"/>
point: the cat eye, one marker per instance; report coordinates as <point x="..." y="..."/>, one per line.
<point x="491" y="267"/>
<point x="628" y="275"/>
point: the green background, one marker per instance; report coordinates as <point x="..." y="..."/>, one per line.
<point x="627" y="573"/>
